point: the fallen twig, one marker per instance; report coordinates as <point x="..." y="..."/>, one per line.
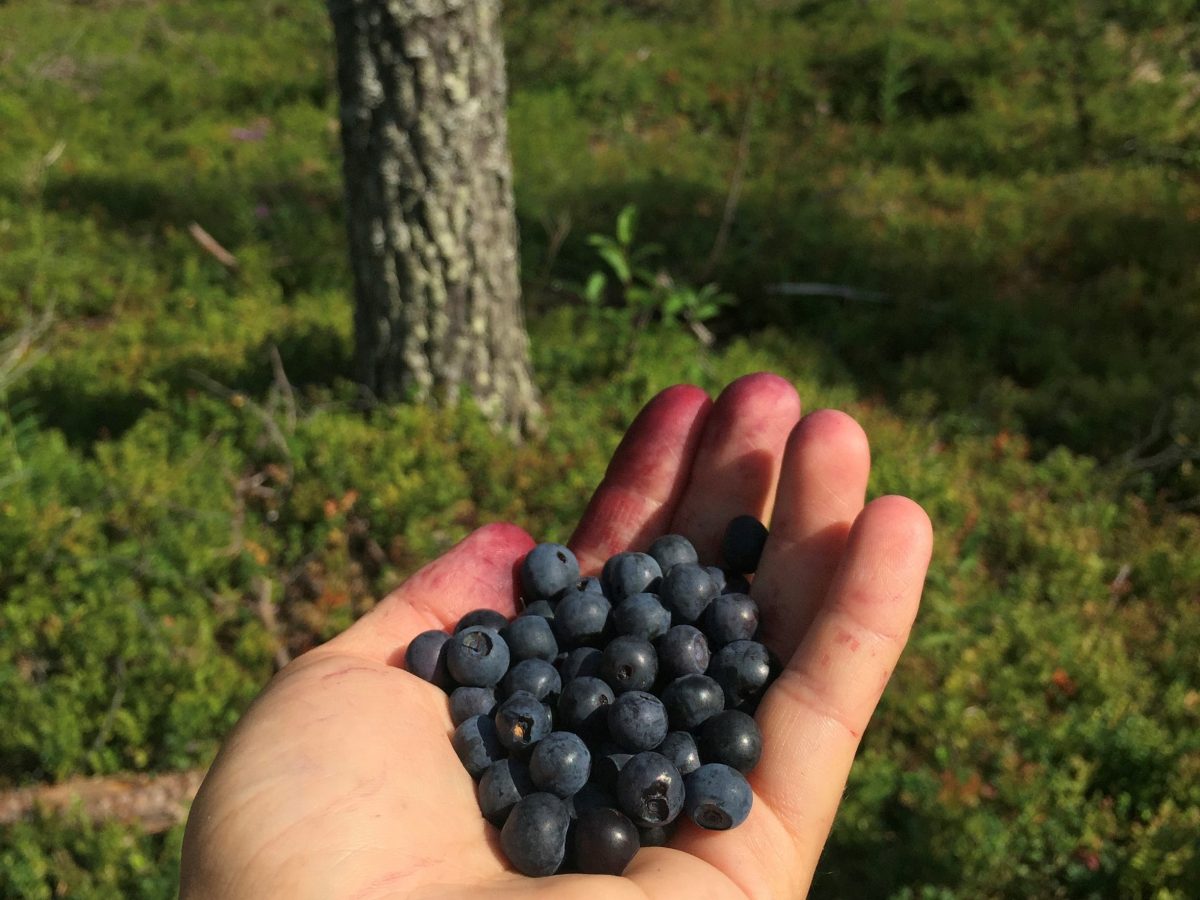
<point x="209" y="244"/>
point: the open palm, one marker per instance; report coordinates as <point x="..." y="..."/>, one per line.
<point x="340" y="781"/>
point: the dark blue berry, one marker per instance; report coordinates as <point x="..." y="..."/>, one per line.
<point x="641" y="615"/>
<point x="730" y="617"/>
<point x="672" y="549"/>
<point x="560" y="763"/>
<point x="467" y="702"/>
<point x="718" y="797"/>
<point x="686" y="592"/>
<point x="534" y="837"/>
<point x="743" y="544"/>
<point x="629" y="664"/>
<point x="534" y="676"/>
<point x="530" y="637"/>
<point x="680" y="748"/>
<point x="488" y="618"/>
<point x="743" y="669"/>
<point x="591" y="583"/>
<point x="604" y="842"/>
<point x="718" y="575"/>
<point x="426" y="657"/>
<point x="538" y="608"/>
<point x="581" y="662"/>
<point x="521" y="721"/>
<point x="477" y="744"/>
<point x="630" y="573"/>
<point x="637" y="721"/>
<point x="606" y="767"/>
<point x="591" y="796"/>
<point x="683" y="650"/>
<point x="583" y="706"/>
<point x="504" y="783"/>
<point x="690" y="700"/>
<point x="733" y="738"/>
<point x="477" y="656"/>
<point x="650" y="790"/>
<point x="547" y="571"/>
<point x="581" y="619"/>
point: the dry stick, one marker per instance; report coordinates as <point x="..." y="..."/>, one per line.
<point x="209" y="244"/>
<point x="154" y="802"/>
<point x="266" y="612"/>
<point x="735" y="186"/>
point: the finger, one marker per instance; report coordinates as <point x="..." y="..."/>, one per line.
<point x="645" y="479"/>
<point x="822" y="487"/>
<point x="814" y="715"/>
<point x="738" y="461"/>
<point x="478" y="572"/>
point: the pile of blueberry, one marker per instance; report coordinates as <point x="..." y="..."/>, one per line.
<point x="609" y="706"/>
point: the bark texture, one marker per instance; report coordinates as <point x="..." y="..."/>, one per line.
<point x="433" y="235"/>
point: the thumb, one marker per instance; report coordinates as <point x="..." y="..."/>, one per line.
<point x="477" y="572"/>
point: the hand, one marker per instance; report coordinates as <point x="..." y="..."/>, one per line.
<point x="340" y="781"/>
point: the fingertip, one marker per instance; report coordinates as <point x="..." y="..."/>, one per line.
<point x="901" y="523"/>
<point x="832" y="427"/>
<point x="767" y="389"/>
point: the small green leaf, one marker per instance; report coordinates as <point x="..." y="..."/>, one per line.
<point x="616" y="259"/>
<point x="626" y="220"/>
<point x="594" y="289"/>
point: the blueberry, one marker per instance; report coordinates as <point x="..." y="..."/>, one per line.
<point x="629" y="573"/>
<point x="538" y="608"/>
<point x="736" y="584"/>
<point x="426" y="657"/>
<point x="590" y="796"/>
<point x="582" y="661"/>
<point x="743" y="669"/>
<point x="718" y="797"/>
<point x="467" y="702"/>
<point x="477" y="656"/>
<point x="607" y="767"/>
<point x="583" y="706"/>
<point x="683" y="650"/>
<point x="730" y="617"/>
<point x="547" y="571"/>
<point x="731" y="737"/>
<point x="641" y="615"/>
<point x="672" y="549"/>
<point x="686" y="592"/>
<point x="530" y="637"/>
<point x="637" y="721"/>
<point x="743" y="544"/>
<point x="591" y="583"/>
<point x="534" y="837"/>
<point x="581" y="619"/>
<point x="560" y="763"/>
<point x="477" y="744"/>
<point x="650" y="790"/>
<point x="504" y="783"/>
<point x="521" y="721"/>
<point x="718" y="575"/>
<point x="690" y="700"/>
<point x="680" y="748"/>
<point x="604" y="842"/>
<point x="629" y="664"/>
<point x="533" y="676"/>
<point x="488" y="618"/>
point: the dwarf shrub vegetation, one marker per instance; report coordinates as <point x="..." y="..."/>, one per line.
<point x="1011" y="192"/>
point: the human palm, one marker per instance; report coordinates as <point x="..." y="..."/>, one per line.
<point x="340" y="781"/>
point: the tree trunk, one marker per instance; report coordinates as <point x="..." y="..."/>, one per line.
<point x="433" y="234"/>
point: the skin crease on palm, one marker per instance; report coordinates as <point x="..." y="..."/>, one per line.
<point x="340" y="780"/>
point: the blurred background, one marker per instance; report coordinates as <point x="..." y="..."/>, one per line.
<point x="973" y="224"/>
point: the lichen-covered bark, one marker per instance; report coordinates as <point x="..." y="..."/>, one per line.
<point x="433" y="235"/>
